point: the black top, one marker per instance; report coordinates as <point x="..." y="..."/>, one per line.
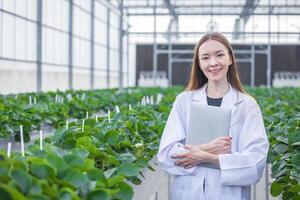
<point x="214" y="102"/>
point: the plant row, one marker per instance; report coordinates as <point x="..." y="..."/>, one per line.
<point x="119" y="149"/>
<point x="281" y="112"/>
<point x="33" y="110"/>
<point x="98" y="161"/>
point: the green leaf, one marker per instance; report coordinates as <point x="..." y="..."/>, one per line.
<point x="98" y="194"/>
<point x="280" y="148"/>
<point x="294" y="138"/>
<point x="56" y="161"/>
<point x="86" y="142"/>
<point x="282" y="139"/>
<point x="36" y="187"/>
<point x="296" y="144"/>
<point x="115" y="180"/>
<point x="126" y="157"/>
<point x="80" y="152"/>
<point x="296" y="159"/>
<point x="74" y="177"/>
<point x="22" y="179"/>
<point x="73" y="160"/>
<point x="5" y="194"/>
<point x="69" y="143"/>
<point x="128" y="170"/>
<point x="277" y="188"/>
<point x="57" y="138"/>
<point x="294" y="189"/>
<point x="9" y="193"/>
<point x="96" y="175"/>
<point x="141" y="162"/>
<point x="43" y="171"/>
<point x="88" y="164"/>
<point x="68" y="194"/>
<point x="125" y="191"/>
<point x="4" y="170"/>
<point x="109" y="172"/>
<point x="111" y="137"/>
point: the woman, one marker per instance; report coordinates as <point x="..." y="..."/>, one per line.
<point x="240" y="158"/>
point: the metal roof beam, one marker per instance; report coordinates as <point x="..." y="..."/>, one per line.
<point x="171" y="9"/>
<point x="230" y="13"/>
<point x="241" y="22"/>
<point x="247" y="7"/>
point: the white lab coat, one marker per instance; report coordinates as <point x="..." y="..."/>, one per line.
<point x="238" y="170"/>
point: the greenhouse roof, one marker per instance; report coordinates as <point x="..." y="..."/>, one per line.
<point x="243" y="8"/>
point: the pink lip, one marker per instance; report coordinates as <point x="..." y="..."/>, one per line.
<point x="215" y="70"/>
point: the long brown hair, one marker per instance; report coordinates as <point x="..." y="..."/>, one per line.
<point x="197" y="77"/>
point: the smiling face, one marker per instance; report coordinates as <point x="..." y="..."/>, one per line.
<point x="214" y="60"/>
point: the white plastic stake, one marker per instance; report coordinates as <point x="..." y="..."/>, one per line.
<point x="56" y="98"/>
<point x="67" y="124"/>
<point x="159" y="97"/>
<point x="83" y="97"/>
<point x="69" y="96"/>
<point x="117" y="109"/>
<point x="30" y="100"/>
<point x="96" y="117"/>
<point x="34" y="100"/>
<point x="22" y="140"/>
<point x="82" y="129"/>
<point x="108" y="115"/>
<point x="87" y="115"/>
<point x="41" y="140"/>
<point x="151" y="100"/>
<point x="143" y="101"/>
<point x="129" y="106"/>
<point x="8" y="149"/>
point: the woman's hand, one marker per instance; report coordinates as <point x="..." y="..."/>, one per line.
<point x="220" y="145"/>
<point x="191" y="158"/>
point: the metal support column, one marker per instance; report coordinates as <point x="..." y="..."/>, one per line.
<point x="92" y="21"/>
<point x="154" y="46"/>
<point x="127" y="53"/>
<point x="70" y="44"/>
<point x="39" y="45"/>
<point x="108" y="49"/>
<point x="269" y="47"/>
<point x="170" y="59"/>
<point x="278" y="28"/>
<point x="253" y="59"/>
<point x="121" y="33"/>
<point x="269" y="85"/>
<point x="252" y="64"/>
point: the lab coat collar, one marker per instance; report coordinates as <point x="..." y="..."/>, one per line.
<point x="232" y="98"/>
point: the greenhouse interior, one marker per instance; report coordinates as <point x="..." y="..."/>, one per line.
<point x="96" y="99"/>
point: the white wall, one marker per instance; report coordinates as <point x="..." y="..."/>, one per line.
<point x="18" y="46"/>
<point x="16" y="77"/>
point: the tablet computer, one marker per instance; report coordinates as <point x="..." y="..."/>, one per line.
<point x="207" y="123"/>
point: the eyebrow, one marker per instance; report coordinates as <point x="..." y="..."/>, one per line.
<point x="206" y="54"/>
